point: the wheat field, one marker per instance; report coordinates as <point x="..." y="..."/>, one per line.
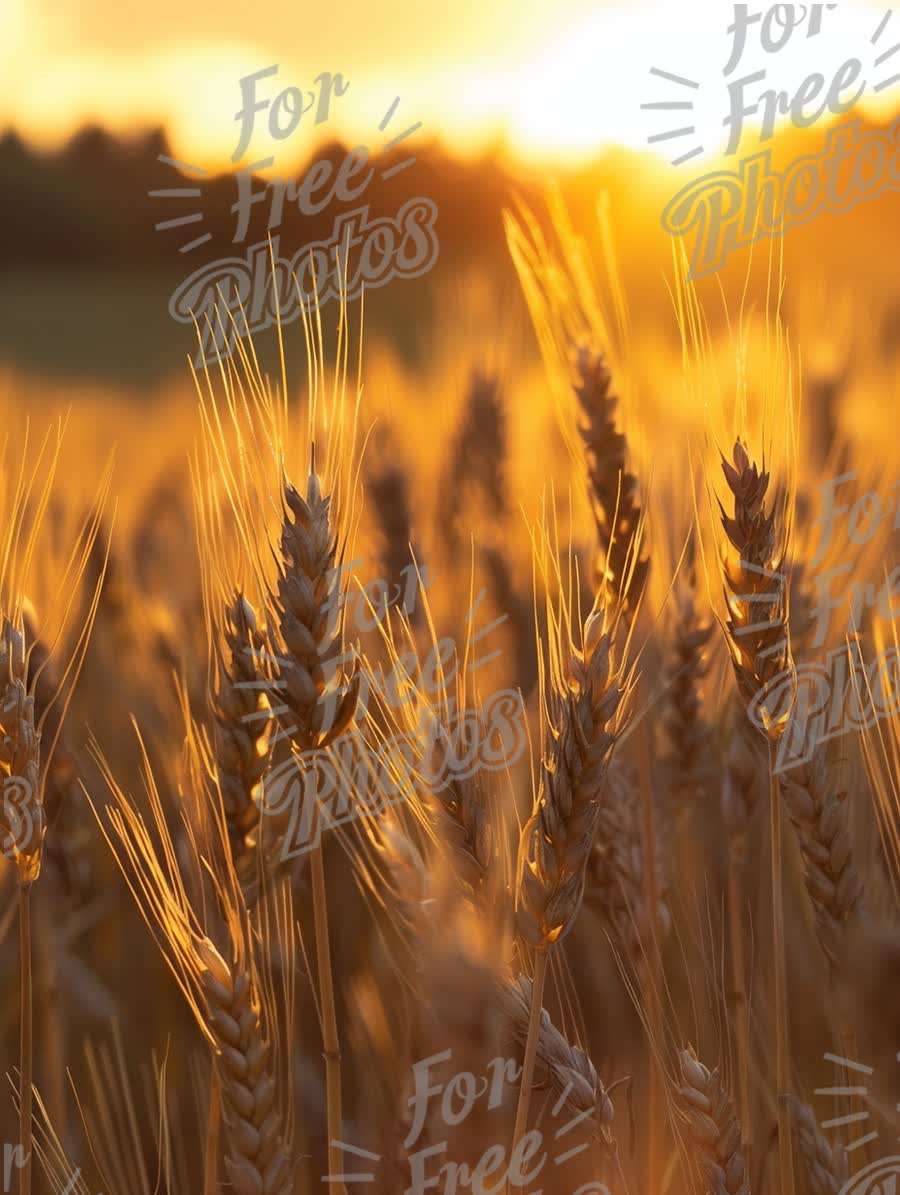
<point x="409" y="795"/>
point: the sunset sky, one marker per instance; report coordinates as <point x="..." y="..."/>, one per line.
<point x="556" y="80"/>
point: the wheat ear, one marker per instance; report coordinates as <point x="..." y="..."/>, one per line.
<point x="65" y="846"/>
<point x="568" y="1069"/>
<point x="616" y="872"/>
<point x="555" y="844"/>
<point x="465" y="828"/>
<point x="256" y="1160"/>
<point x="241" y="725"/>
<point x="22" y="818"/>
<point x="309" y="630"/>
<point x="826" y="1166"/>
<point x="221" y="987"/>
<point x="463" y="823"/>
<point x="389" y="490"/>
<point x="478" y="456"/>
<point x="613" y="489"/>
<point x="754" y="583"/>
<point x="683" y="723"/>
<point x="819" y="816"/>
<point x="712" y="1128"/>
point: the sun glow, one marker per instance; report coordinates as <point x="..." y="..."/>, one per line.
<point x="605" y="80"/>
<point x="584" y="82"/>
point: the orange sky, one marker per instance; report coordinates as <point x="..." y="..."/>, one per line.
<point x="557" y="79"/>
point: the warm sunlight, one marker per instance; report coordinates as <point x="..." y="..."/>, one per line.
<point x="561" y="96"/>
<point x="580" y="94"/>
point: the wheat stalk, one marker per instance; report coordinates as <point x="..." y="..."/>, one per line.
<point x="221" y="986"/>
<point x="311" y="639"/>
<point x="759" y="644"/>
<point x="555" y="844"/>
<point x="739" y="798"/>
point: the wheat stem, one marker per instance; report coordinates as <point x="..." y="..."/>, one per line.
<point x="213" y="1130"/>
<point x="330" y="1038"/>
<point x="50" y="1015"/>
<point x="782" y="1058"/>
<point x="651" y="972"/>
<point x="531" y="1045"/>
<point x="739" y="995"/>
